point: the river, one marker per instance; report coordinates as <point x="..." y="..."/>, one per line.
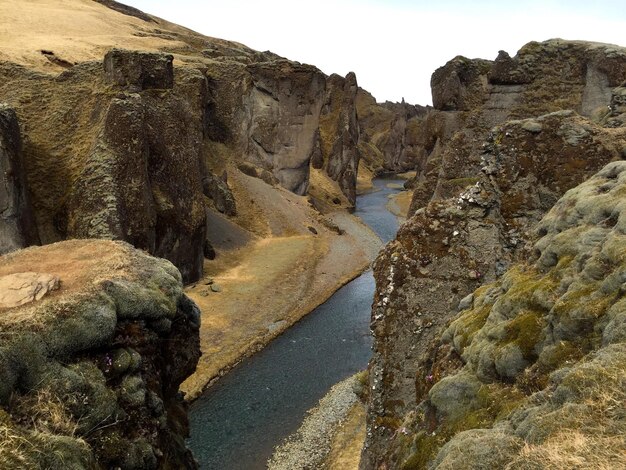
<point x="236" y="424"/>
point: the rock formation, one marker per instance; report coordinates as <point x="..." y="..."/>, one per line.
<point x="129" y="146"/>
<point x="90" y="372"/>
<point x="391" y="137"/>
<point x="338" y="152"/>
<point x="535" y="359"/>
<point x="17" y="228"/>
<point x="472" y="96"/>
<point x="476" y="206"/>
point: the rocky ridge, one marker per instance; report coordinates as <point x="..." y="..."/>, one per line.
<point x="137" y="145"/>
<point x="476" y="205"/>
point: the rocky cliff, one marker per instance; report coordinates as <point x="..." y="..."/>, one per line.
<point x="98" y="337"/>
<point x="472" y="96"/>
<point x="530" y="372"/>
<point x="476" y="208"/>
<point x="391" y="138"/>
<point x="136" y="144"/>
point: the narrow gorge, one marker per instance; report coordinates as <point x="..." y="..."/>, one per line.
<point x="200" y="266"/>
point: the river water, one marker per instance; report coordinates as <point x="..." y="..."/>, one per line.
<point x="237" y="423"/>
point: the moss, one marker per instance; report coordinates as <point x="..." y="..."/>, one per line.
<point x="425" y="448"/>
<point x="495" y="402"/>
<point x="525" y="331"/>
<point x="463" y="182"/>
<point x="554" y="357"/>
<point x="468" y="325"/>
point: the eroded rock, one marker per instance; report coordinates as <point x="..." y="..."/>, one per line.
<point x="17" y="226"/>
<point x="21" y="288"/>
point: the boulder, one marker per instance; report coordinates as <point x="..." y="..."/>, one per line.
<point x="21" y="288"/>
<point x="217" y="189"/>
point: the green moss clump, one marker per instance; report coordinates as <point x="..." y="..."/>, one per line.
<point x="525" y="331"/>
<point x="466" y="327"/>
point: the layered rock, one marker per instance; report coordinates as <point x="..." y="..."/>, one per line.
<point x="338" y="152"/>
<point x="17" y="227"/>
<point x="90" y="371"/>
<point x="392" y="135"/>
<point x="529" y="371"/>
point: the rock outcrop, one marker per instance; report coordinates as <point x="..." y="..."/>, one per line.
<point x="529" y="372"/>
<point x="338" y="152"/>
<point x="391" y="134"/>
<point x="116" y="159"/>
<point x="17" y="227"/>
<point x="475" y="209"/>
<point x="267" y="112"/>
<point x="472" y="96"/>
<point x="90" y="372"/>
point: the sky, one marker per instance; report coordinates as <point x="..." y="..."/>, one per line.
<point x="393" y="46"/>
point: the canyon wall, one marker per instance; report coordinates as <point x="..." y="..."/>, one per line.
<point x="137" y="145"/>
<point x="508" y="140"/>
<point x="391" y="138"/>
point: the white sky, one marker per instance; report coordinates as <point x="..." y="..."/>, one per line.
<point x="393" y="46"/>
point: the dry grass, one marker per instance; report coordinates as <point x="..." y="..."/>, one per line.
<point x="15" y="450"/>
<point x="592" y="436"/>
<point x="44" y="412"/>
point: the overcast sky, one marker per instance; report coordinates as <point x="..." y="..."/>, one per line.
<point x="393" y="46"/>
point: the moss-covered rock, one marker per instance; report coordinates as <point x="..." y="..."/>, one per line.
<point x="87" y="382"/>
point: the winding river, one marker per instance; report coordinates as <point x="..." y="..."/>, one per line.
<point x="237" y="423"/>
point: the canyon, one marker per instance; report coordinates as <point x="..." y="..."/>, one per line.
<point x="170" y="203"/>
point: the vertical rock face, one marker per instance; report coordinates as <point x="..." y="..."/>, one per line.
<point x="139" y="70"/>
<point x="472" y="96"/>
<point x="17" y="228"/>
<point x="116" y="152"/>
<point x="391" y="134"/>
<point x="268" y="112"/>
<point x="478" y="200"/>
<point x="339" y="134"/>
<point x="91" y="371"/>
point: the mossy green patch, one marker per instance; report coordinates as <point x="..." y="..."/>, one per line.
<point x="525" y="331"/>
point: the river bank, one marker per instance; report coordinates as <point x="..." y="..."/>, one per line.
<point x="261" y="286"/>
<point x="237" y="422"/>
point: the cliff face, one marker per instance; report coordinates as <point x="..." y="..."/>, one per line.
<point x="137" y="146"/>
<point x="17" y="228"/>
<point x="487" y="195"/>
<point x="98" y="338"/>
<point x="114" y="151"/>
<point x="391" y="138"/>
<point x="472" y="96"/>
<point x="339" y="133"/>
<point x="268" y="112"/>
<point x="527" y="374"/>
